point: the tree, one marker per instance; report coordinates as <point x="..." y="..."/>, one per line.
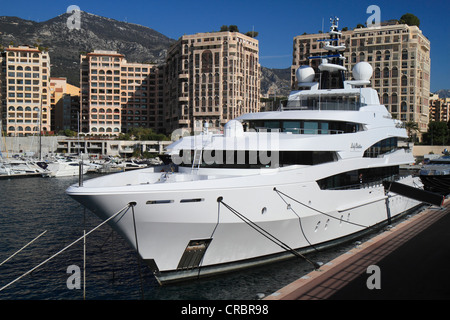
<point x="224" y="28"/>
<point x="411" y="127"/>
<point x="437" y="133"/>
<point x="410" y="20"/>
<point x="252" y="34"/>
<point x="142" y="134"/>
<point x="233" y="28"/>
<point x="67" y="133"/>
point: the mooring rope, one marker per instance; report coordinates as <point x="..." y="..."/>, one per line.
<point x="65" y="248"/>
<point x="10" y="257"/>
<point x="299" y="220"/>
<point x="267" y="234"/>
<point x="321" y="212"/>
<point x="137" y="250"/>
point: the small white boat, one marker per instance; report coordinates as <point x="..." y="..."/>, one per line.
<point x="64" y="168"/>
<point x="12" y="168"/>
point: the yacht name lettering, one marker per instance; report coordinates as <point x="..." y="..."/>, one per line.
<point x="355" y="145"/>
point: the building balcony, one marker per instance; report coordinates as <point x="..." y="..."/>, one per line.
<point x="184" y="121"/>
<point x="126" y="149"/>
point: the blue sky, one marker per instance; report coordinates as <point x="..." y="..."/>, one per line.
<point x="277" y="22"/>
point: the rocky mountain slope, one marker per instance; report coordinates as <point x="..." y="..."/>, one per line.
<point x="137" y="43"/>
<point x="443" y="93"/>
<point x="275" y="81"/>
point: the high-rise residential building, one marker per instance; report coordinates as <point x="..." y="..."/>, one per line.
<point x="65" y="105"/>
<point x="439" y="108"/>
<point x="211" y="78"/>
<point x="117" y="96"/>
<point x="25" y="91"/>
<point x="400" y="57"/>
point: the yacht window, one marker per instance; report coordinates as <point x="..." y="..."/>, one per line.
<point x="357" y="178"/>
<point x="159" y="201"/>
<point x="272" y="125"/>
<point x="325" y="102"/>
<point x="258" y="159"/>
<point x="291" y="126"/>
<point x="311" y="127"/>
<point x="381" y="147"/>
<point x="324" y="128"/>
<point x="191" y="200"/>
<point x="303" y="126"/>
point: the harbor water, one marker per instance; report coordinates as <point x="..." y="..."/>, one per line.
<point x="30" y="206"/>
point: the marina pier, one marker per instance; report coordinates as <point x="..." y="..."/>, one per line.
<point x="412" y="258"/>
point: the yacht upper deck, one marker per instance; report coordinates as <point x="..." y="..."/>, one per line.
<point x="347" y="99"/>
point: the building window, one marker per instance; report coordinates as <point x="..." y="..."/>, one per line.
<point x="207" y="61"/>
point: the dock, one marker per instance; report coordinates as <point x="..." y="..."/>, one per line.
<point x="409" y="261"/>
<point x="20" y="175"/>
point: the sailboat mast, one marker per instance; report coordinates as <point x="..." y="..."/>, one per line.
<point x="40" y="131"/>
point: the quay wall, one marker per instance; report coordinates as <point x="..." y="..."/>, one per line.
<point x="36" y="146"/>
<point x="421" y="151"/>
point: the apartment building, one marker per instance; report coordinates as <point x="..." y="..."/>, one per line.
<point x="211" y="78"/>
<point x="25" y="91"/>
<point x="439" y="108"/>
<point x="400" y="57"/>
<point x="65" y="105"/>
<point x="117" y="95"/>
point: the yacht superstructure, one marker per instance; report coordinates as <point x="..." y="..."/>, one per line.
<point x="273" y="183"/>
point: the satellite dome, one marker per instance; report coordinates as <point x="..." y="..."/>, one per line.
<point x="234" y="128"/>
<point x="305" y="74"/>
<point x="362" y="71"/>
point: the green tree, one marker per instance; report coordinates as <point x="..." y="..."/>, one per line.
<point x="437" y="133"/>
<point x="67" y="133"/>
<point x="142" y="134"/>
<point x="252" y="34"/>
<point x="234" y="28"/>
<point x="410" y="20"/>
<point x="411" y="128"/>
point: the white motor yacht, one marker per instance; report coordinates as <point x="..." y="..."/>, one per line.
<point x="64" y="168"/>
<point x="272" y="185"/>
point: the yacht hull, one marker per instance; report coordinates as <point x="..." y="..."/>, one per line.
<point x="199" y="230"/>
<point x="64" y="169"/>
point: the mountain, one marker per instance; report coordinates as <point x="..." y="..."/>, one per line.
<point x="276" y="81"/>
<point x="137" y="43"/>
<point x="443" y="93"/>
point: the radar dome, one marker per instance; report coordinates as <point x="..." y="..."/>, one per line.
<point x="362" y="71"/>
<point x="234" y="128"/>
<point x="305" y="74"/>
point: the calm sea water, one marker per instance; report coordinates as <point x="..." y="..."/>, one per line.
<point x="31" y="206"/>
